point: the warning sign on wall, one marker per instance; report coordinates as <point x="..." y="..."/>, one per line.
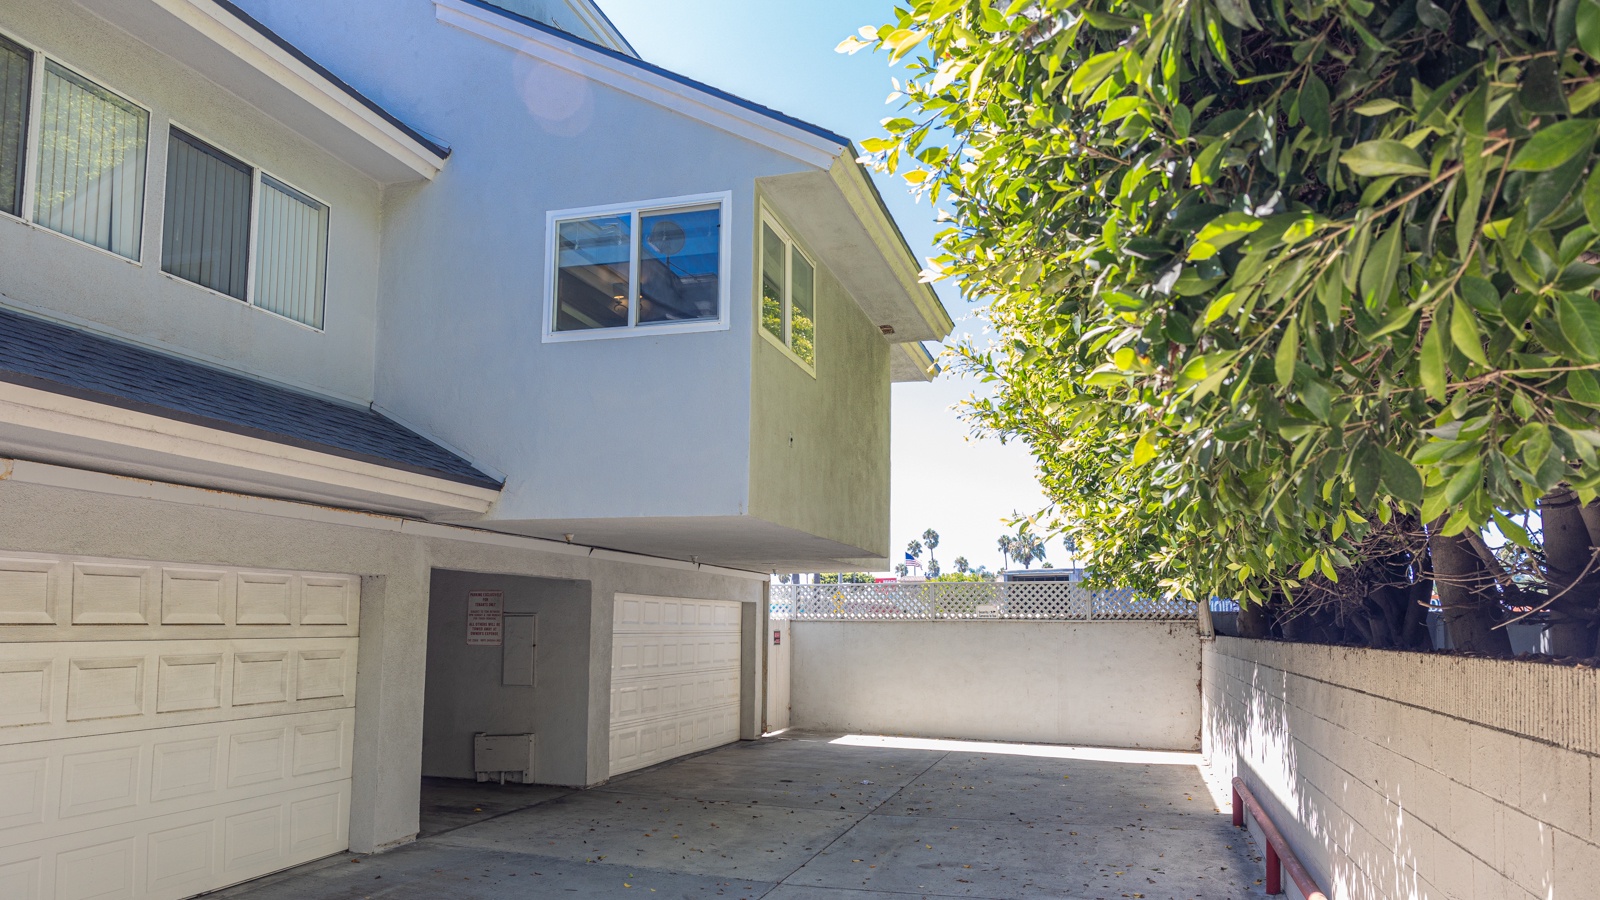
<point x="486" y="618"/>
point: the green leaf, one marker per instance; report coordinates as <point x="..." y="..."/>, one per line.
<point x="1514" y="533"/>
<point x="1591" y="196"/>
<point x="1377" y="158"/>
<point x="1541" y="87"/>
<point x="1464" y="332"/>
<point x="1288" y="354"/>
<point x="1583" y="387"/>
<point x="1551" y="190"/>
<point x="1589" y="27"/>
<point x="1466" y="480"/>
<point x="1433" y="378"/>
<point x="1579" y="318"/>
<point x="1383" y="266"/>
<point x="1314" y="106"/>
<point x="1379" y="107"/>
<point x="1144" y="450"/>
<point x="1400" y="477"/>
<point x="1553" y="145"/>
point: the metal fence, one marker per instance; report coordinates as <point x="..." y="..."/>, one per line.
<point x="952" y="600"/>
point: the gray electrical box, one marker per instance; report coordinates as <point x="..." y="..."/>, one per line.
<point x="516" y="659"/>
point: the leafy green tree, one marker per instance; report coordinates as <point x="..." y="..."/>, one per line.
<point x="1293" y="300"/>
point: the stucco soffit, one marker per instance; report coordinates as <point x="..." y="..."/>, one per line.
<point x="639" y="80"/>
<point x="216" y="41"/>
<point x="912" y="362"/>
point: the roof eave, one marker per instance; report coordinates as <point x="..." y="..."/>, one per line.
<point x="394" y="151"/>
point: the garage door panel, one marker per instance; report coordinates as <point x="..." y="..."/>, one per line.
<point x="99" y="687"/>
<point x="57" y="788"/>
<point x="168" y="729"/>
<point x="675" y="678"/>
<point x="174" y="856"/>
<point x="88" y="599"/>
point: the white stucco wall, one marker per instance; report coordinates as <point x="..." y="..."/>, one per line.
<point x="1407" y="775"/>
<point x="1114" y="684"/>
<point x="70" y="280"/>
<point x="621" y="428"/>
<point x="465" y="691"/>
<point x="51" y="510"/>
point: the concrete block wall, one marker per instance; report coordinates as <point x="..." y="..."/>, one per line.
<point x="1107" y="684"/>
<point x="1408" y="775"/>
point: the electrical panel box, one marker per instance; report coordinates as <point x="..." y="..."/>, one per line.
<point x="503" y="757"/>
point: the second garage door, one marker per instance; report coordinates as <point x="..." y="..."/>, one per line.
<point x="674" y="679"/>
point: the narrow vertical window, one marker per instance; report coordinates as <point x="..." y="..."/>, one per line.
<point x="206" y="238"/>
<point x="788" y="295"/>
<point x="92" y="162"/>
<point x="292" y="261"/>
<point x="774" y="283"/>
<point x="803" y="308"/>
<point x="16" y="84"/>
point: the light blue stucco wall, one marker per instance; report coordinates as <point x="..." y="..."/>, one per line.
<point x="633" y="427"/>
<point x="72" y="281"/>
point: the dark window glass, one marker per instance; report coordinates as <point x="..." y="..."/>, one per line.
<point x="16" y="83"/>
<point x="206" y="237"/>
<point x="593" y="273"/>
<point x="679" y="277"/>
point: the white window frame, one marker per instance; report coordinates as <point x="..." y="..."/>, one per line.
<point x="30" y="151"/>
<point x="254" y="239"/>
<point x="770" y="219"/>
<point x="553" y="219"/>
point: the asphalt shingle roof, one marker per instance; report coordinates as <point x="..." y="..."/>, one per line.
<point x="64" y="360"/>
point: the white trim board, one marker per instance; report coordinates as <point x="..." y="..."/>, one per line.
<point x="40" y="474"/>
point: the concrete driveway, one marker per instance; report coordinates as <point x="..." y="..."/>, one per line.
<point x="824" y="817"/>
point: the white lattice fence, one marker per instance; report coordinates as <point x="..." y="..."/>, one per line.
<point x="940" y="600"/>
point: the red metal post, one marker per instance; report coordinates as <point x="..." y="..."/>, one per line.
<point x="1238" y="808"/>
<point x="1274" y="871"/>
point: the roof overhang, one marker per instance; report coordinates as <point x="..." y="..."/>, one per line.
<point x="51" y="427"/>
<point x="912" y="362"/>
<point x="625" y="72"/>
<point x="221" y="42"/>
<point x="838" y="214"/>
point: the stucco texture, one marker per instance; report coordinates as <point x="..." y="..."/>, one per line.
<point x="1109" y="684"/>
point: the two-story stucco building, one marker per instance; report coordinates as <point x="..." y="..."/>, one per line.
<point x="382" y="373"/>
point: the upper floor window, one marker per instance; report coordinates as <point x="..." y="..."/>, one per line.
<point x="219" y="208"/>
<point x="638" y="268"/>
<point x="788" y="294"/>
<point x="88" y="168"/>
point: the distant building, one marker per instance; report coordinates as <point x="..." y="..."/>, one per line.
<point x="1071" y="576"/>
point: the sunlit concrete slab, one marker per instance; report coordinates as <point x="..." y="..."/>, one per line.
<point x="951" y="819"/>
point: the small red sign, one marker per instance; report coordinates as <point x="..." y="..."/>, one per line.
<point x="777" y="638"/>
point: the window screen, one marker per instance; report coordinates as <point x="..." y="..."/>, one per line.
<point x="91" y="163"/>
<point x="292" y="270"/>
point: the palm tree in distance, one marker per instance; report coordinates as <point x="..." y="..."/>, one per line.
<point x="1006" y="543"/>
<point x="962" y="565"/>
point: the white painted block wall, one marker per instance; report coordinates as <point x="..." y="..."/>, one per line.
<point x="1110" y="684"/>
<point x="1406" y="775"/>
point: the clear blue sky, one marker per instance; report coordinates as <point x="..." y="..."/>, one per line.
<point x="781" y="55"/>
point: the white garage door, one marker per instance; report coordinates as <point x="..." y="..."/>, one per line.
<point x="167" y="730"/>
<point x="674" y="679"/>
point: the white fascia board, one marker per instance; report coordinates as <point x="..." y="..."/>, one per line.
<point x="276" y="63"/>
<point x="97" y="424"/>
<point x="67" y="478"/>
<point x="796" y="143"/>
<point x="856" y="186"/>
<point x="598" y="24"/>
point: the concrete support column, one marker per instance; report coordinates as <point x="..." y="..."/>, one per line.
<point x="387" y="759"/>
<point x="752" y="658"/>
<point x="601" y="627"/>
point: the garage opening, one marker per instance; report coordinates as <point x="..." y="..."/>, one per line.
<point x="508" y="694"/>
<point x="675" y="675"/>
